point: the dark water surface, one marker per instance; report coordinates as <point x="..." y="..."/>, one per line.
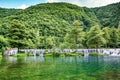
<point x="61" y="68"/>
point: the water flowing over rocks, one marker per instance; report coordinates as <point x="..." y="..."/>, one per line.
<point x="110" y="52"/>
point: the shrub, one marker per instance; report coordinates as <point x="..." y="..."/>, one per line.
<point x="67" y="54"/>
<point x="80" y="54"/>
<point x="93" y="54"/>
<point x="73" y="54"/>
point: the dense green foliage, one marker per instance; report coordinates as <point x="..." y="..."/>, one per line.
<point x="95" y="37"/>
<point x="60" y="25"/>
<point x="3" y="43"/>
<point x="7" y="12"/>
<point x="74" y="37"/>
<point x="109" y="15"/>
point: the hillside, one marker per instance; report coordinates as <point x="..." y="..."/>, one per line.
<point x="108" y="15"/>
<point x="7" y="12"/>
<point x="58" y="12"/>
<point x="49" y="23"/>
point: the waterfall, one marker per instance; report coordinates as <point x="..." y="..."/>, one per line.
<point x="111" y="52"/>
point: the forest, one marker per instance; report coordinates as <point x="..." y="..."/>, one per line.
<point x="60" y="25"/>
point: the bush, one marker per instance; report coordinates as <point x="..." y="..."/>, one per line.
<point x="70" y="54"/>
<point x="67" y="54"/>
<point x="80" y="54"/>
<point x="93" y="54"/>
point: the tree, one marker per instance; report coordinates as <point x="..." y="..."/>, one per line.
<point x="68" y="42"/>
<point x="34" y="38"/>
<point x="50" y="42"/>
<point x="106" y="35"/>
<point x="17" y="34"/>
<point x="3" y="43"/>
<point x="118" y="31"/>
<point x="95" y="37"/>
<point x="114" y="38"/>
<point x="76" y="35"/>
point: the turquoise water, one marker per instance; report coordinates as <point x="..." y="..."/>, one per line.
<point x="61" y="68"/>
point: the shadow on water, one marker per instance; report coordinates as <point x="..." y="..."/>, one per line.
<point x="60" y="68"/>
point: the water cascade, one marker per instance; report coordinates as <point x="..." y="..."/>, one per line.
<point x="111" y="52"/>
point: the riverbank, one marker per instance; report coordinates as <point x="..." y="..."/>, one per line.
<point x="56" y="54"/>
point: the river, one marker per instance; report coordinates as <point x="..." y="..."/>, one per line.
<point x="60" y="68"/>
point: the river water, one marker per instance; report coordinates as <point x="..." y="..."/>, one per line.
<point x="60" y="68"/>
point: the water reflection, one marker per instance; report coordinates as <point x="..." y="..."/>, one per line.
<point x="10" y="59"/>
<point x="60" y="68"/>
<point x="34" y="59"/>
<point x="85" y="59"/>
